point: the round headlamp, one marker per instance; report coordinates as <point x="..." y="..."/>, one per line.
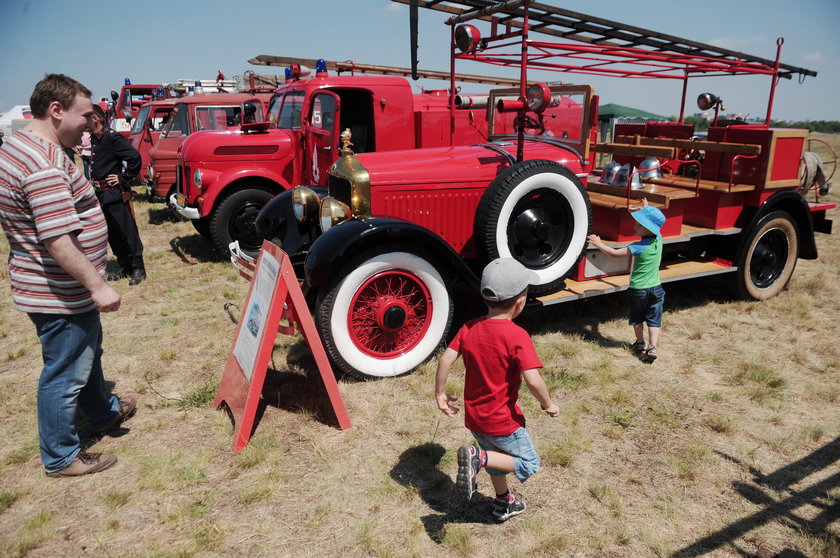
<point x="333" y="212"/>
<point x="197" y="178"/>
<point x="467" y="38"/>
<point x="304" y="203"/>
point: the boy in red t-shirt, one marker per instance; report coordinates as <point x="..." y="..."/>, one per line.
<point x="498" y="354"/>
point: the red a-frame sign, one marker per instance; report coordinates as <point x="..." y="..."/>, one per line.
<point x="274" y="294"/>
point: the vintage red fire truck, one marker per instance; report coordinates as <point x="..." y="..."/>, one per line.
<point x="127" y="103"/>
<point x="397" y="239"/>
<point x="193" y="113"/>
<point x="226" y="178"/>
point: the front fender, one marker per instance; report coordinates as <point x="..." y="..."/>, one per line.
<point x="332" y="250"/>
<point x="221" y="182"/>
<point x="277" y="223"/>
<point x="791" y="202"/>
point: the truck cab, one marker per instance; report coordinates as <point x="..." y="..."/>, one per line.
<point x="147" y="128"/>
<point x="194" y="113"/>
<point x="127" y="103"/>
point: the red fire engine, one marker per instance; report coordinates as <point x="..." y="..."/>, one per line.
<point x="398" y="238"/>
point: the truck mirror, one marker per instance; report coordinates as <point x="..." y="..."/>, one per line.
<point x="127" y="116"/>
<point x="114" y="95"/>
<point x="249" y="111"/>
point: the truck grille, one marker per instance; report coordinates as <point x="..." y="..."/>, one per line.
<point x="178" y="179"/>
<point x="340" y="189"/>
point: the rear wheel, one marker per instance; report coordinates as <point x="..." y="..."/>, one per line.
<point x="537" y="212"/>
<point x="769" y="258"/>
<point x="234" y="218"/>
<point x="385" y="316"/>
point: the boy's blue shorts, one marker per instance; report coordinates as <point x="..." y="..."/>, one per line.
<point x="526" y="462"/>
<point x="646" y="305"/>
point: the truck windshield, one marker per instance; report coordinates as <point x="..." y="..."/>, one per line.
<point x="217" y="118"/>
<point x="140" y="120"/>
<point x="290" y="111"/>
<point x="178" y="124"/>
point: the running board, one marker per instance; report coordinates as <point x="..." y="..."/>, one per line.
<point x="575" y="290"/>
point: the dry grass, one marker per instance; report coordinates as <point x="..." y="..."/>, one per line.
<point x="729" y="443"/>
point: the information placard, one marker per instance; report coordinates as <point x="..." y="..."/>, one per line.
<point x="274" y="293"/>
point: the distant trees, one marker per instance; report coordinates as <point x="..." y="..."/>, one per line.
<point x="824" y="126"/>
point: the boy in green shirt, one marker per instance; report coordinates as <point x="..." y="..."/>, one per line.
<point x="646" y="293"/>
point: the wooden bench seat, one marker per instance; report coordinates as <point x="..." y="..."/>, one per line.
<point x="635" y="150"/>
<point x="686" y="182"/>
<point x="615" y="197"/>
<point x="700" y="145"/>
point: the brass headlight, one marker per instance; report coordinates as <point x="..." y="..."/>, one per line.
<point x="332" y="213"/>
<point x="304" y="203"/>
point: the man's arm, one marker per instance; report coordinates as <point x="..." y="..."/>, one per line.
<point x="123" y="151"/>
<point x="538" y="389"/>
<point x="65" y="250"/>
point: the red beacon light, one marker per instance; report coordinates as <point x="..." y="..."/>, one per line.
<point x="296" y="71"/>
<point x="467" y="38"/>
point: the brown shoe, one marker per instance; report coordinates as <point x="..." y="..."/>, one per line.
<point x="128" y="405"/>
<point x="86" y="464"/>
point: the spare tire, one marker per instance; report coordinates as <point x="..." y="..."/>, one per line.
<point x="539" y="213"/>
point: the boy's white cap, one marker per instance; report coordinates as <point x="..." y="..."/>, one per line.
<point x="504" y="278"/>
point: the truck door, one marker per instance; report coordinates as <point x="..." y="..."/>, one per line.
<point x="320" y="137"/>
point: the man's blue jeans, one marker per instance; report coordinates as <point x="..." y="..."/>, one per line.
<point x="71" y="347"/>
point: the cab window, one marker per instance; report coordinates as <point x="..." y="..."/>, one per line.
<point x="178" y="124"/>
<point x="290" y="111"/>
<point x="323" y="112"/>
<point x="140" y="121"/>
<point x="217" y="118"/>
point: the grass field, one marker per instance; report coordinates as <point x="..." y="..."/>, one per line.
<point x="728" y="445"/>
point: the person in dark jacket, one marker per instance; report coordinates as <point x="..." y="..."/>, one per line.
<point x="113" y="163"/>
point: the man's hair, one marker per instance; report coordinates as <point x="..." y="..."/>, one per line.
<point x="99" y="113"/>
<point x="504" y="304"/>
<point x="55" y="87"/>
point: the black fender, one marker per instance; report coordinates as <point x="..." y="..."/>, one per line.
<point x="277" y="223"/>
<point x="330" y="251"/>
<point x="792" y="203"/>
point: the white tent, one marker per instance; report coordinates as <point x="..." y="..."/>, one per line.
<point x="14" y="119"/>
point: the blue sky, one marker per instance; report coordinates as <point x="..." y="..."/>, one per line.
<point x="100" y="42"/>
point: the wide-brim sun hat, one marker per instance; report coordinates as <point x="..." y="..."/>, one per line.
<point x="650" y="218"/>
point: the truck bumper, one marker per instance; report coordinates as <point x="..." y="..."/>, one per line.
<point x="242" y="262"/>
<point x="179" y="205"/>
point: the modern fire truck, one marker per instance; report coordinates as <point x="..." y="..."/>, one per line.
<point x="395" y="240"/>
<point x="225" y="178"/>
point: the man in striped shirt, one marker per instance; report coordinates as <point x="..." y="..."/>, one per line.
<point x="58" y="249"/>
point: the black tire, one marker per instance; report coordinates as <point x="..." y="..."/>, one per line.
<point x="202" y="227"/>
<point x="384" y="314"/>
<point x="233" y="219"/>
<point x="539" y="213"/>
<point x="768" y="257"/>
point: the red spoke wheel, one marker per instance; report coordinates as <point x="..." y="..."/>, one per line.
<point x="385" y="316"/>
